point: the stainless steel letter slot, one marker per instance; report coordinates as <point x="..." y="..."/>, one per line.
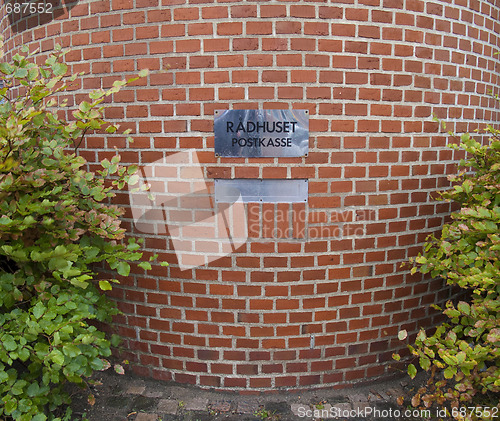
<point x="265" y="191"/>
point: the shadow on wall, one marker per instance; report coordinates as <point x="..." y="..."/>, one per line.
<point x="36" y="12"/>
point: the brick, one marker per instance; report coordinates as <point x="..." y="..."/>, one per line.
<point x="259" y="28"/>
<point x="214" y="77"/>
<point x="159" y="15"/>
<point x="258" y="60"/>
<point x="274" y="44"/>
<point x="230" y="28"/>
<point x="316" y="28"/>
<point x="235" y="382"/>
<point x="220" y="406"/>
<point x="288" y="27"/>
<point x="330" y="45"/>
<point x="290" y="92"/>
<point x="288" y="60"/>
<point x="245" y="76"/>
<point x="214" y="12"/>
<point x="137" y="18"/>
<point x="247" y="406"/>
<point x="302" y="11"/>
<point x="303" y="44"/>
<point x="196" y="404"/>
<point x="230" y="61"/>
<point x="168" y="406"/>
<point x="343" y="29"/>
<point x="187" y="46"/>
<point x="195" y="29"/>
<point x="188" y="13"/>
<point x="240" y="44"/>
<point x="246" y="11"/>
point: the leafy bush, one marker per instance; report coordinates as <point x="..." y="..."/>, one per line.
<point x="466" y="348"/>
<point x="55" y="225"/>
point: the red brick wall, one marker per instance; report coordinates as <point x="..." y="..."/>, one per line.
<point x="371" y="73"/>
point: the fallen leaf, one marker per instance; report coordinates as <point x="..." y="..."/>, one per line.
<point x="119" y="369"/>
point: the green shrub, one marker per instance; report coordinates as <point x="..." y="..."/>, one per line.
<point x="465" y="350"/>
<point x="55" y="226"/>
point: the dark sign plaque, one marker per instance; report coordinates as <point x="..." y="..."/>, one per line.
<point x="261" y="133"/>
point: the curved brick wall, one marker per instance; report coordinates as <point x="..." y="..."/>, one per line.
<point x="287" y="312"/>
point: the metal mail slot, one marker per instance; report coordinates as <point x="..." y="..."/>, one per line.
<point x="257" y="190"/>
<point x="261" y="133"/>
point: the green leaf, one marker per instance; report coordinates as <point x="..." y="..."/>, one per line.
<point x="38" y="310"/>
<point x="449" y="372"/>
<point x="10" y="406"/>
<point x="20" y="73"/>
<point x="425" y="363"/>
<point x="463" y="307"/>
<point x="32" y="73"/>
<point x="133" y="246"/>
<point x="24" y="354"/>
<point x="33" y="389"/>
<point x="133" y="180"/>
<point x="97" y="364"/>
<point x="412" y="371"/>
<point x="145" y="265"/>
<point x="6" y="68"/>
<point x="18" y="387"/>
<point x="117" y="84"/>
<point x="9" y="343"/>
<point x="115" y="340"/>
<point x="461" y="356"/>
<point x="59" y="69"/>
<point x="402" y="335"/>
<point x="59" y="263"/>
<point x="105" y="286"/>
<point x="84" y="107"/>
<point x="451" y="313"/>
<point x="123" y="268"/>
<point x="80" y="281"/>
<point x="5" y="220"/>
<point x="57" y="357"/>
<point x="71" y="350"/>
<point x="97" y="94"/>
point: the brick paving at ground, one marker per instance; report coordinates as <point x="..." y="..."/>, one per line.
<point x="128" y="398"/>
